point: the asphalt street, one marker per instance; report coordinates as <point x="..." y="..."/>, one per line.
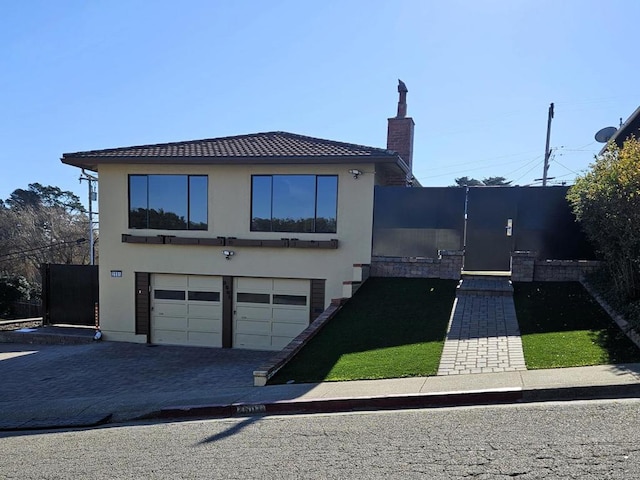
<point x="585" y="440"/>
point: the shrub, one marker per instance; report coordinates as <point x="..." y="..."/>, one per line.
<point x="12" y="289"/>
<point x="606" y="201"/>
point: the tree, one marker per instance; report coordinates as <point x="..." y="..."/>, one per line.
<point x="42" y="224"/>
<point x="45" y="196"/>
<point x="496" y="182"/>
<point x="606" y="201"/>
<point x="486" y="182"/>
<point x="467" y="182"/>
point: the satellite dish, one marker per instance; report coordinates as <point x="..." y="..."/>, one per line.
<point x="604" y="135"/>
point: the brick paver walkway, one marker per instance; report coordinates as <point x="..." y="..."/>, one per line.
<point x="483" y="334"/>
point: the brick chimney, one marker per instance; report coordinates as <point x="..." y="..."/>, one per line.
<point x="400" y="130"/>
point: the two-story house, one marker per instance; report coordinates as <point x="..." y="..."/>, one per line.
<point x="237" y="241"/>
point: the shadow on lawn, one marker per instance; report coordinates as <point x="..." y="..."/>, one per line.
<point x="545" y="308"/>
<point x="403" y="320"/>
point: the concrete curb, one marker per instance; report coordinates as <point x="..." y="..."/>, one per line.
<point x="334" y="405"/>
<point x="398" y="402"/>
<point x="494" y="396"/>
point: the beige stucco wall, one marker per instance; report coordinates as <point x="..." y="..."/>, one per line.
<point x="229" y="216"/>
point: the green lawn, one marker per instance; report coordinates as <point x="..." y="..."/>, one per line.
<point x="563" y="326"/>
<point x="392" y="327"/>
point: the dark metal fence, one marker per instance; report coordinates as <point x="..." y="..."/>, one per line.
<point x="69" y="294"/>
<point x="488" y="223"/>
<point x="28" y="309"/>
<point x="410" y="222"/>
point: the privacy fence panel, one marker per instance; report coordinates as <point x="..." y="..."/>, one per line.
<point x="417" y="222"/>
<point x="69" y="294"/>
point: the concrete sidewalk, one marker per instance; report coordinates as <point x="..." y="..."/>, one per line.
<point x="69" y="386"/>
<point x="597" y="382"/>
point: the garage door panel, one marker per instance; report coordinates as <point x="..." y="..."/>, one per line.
<point x="201" y="339"/>
<point x="170" y="309"/>
<point x="171" y="323"/>
<point x="169" y="281"/>
<point x="197" y="282"/>
<point x="257" y="327"/>
<point x="256" y="313"/>
<point x="291" y="315"/>
<point x="290" y="330"/>
<point x="256" y="342"/>
<point x="204" y="311"/>
<point x="171" y="337"/>
<point x="203" y="325"/>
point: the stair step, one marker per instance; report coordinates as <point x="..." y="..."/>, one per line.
<point x="485" y="285"/>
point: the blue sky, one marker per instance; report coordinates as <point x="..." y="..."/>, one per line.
<point x="80" y="75"/>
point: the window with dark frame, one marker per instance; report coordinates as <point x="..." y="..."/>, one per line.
<point x="168" y="202"/>
<point x="294" y="203"/>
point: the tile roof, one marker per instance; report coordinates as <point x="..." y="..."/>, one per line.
<point x="259" y="145"/>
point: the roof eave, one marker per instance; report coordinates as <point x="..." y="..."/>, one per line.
<point x="92" y="163"/>
<point x="622" y="131"/>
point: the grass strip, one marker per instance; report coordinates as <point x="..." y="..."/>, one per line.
<point x="563" y="326"/>
<point x="391" y="328"/>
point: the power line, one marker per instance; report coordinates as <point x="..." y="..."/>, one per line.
<point x="528" y="172"/>
<point x="475" y="169"/>
<point x="564" y="166"/>
<point x="6" y="256"/>
<point x="525" y="165"/>
<point x="484" y="160"/>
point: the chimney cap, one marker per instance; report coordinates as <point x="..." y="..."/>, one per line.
<point x="402" y="101"/>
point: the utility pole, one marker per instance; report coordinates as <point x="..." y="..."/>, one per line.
<point x="92" y="197"/>
<point x="547" y="150"/>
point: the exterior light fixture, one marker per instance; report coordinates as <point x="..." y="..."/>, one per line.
<point x="228" y="254"/>
<point x="355" y="173"/>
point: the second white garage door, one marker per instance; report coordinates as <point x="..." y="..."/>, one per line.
<point x="186" y="310"/>
<point x="269" y="312"/>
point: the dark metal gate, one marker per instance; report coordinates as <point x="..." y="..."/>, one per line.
<point x="491" y="218"/>
<point x="69" y="294"/>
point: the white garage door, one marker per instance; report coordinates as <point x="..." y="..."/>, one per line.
<point x="269" y="312"/>
<point x="186" y="310"/>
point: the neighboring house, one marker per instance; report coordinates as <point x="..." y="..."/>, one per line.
<point x="236" y="241"/>
<point x="630" y="127"/>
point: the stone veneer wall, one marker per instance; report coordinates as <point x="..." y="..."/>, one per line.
<point x="526" y="268"/>
<point x="447" y="265"/>
<point x="563" y="270"/>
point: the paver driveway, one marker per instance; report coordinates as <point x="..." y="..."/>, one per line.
<point x="32" y="373"/>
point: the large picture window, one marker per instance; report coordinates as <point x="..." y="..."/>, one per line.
<point x="294" y="203"/>
<point x="168" y="202"/>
